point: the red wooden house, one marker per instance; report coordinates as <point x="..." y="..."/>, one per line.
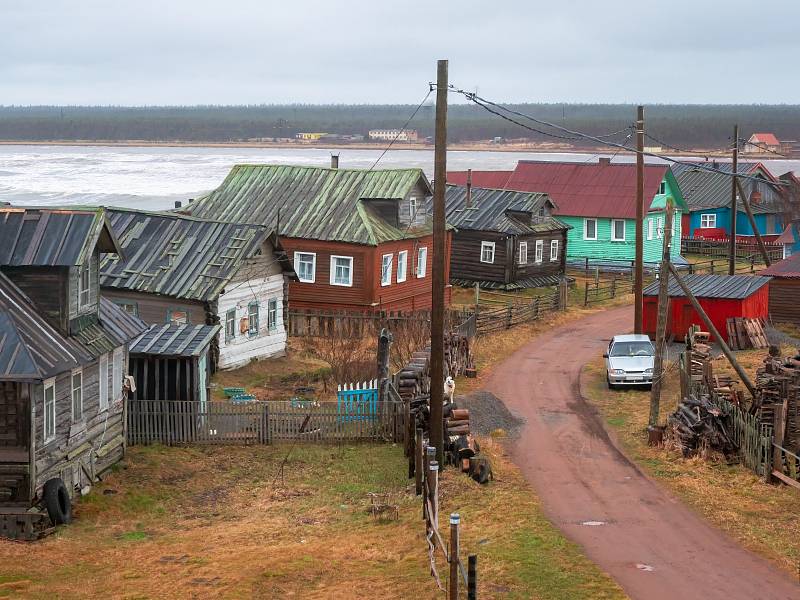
<point x="358" y="240"/>
<point x="721" y="296"/>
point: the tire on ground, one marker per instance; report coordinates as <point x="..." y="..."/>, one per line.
<point x="57" y="502"/>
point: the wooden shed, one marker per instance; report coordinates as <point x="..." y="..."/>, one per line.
<point x="784" y="290"/>
<point x="721" y="296"/>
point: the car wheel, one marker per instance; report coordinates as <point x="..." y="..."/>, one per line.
<point x="608" y="382"/>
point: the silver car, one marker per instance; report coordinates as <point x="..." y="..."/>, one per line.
<point x="629" y="360"/>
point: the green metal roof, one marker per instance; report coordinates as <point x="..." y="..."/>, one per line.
<point x="312" y="202"/>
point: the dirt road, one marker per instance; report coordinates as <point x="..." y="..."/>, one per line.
<point x="647" y="540"/>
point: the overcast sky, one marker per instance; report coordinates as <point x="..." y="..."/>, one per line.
<point x="380" y="51"/>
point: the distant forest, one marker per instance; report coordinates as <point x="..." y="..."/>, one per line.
<point x="684" y="126"/>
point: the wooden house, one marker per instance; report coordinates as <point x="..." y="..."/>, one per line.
<point x="721" y="296"/>
<point x="359" y="240"/>
<point x="504" y="239"/>
<point x="189" y="271"/>
<point x="63" y="359"/>
<point x="597" y="200"/>
<point x="784" y="290"/>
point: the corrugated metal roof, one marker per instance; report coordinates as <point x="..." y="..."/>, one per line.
<point x="175" y="340"/>
<point x="311" y="202"/>
<point x="589" y="189"/>
<point x="177" y="256"/>
<point x="489" y="210"/>
<point x="115" y="327"/>
<point x="53" y="236"/>
<point x="703" y="189"/>
<point x="788" y="268"/>
<point x="486" y="179"/>
<point x="735" y="287"/>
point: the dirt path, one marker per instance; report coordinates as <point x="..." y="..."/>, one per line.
<point x="652" y="544"/>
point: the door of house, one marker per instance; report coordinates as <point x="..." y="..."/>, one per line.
<point x="14" y="449"/>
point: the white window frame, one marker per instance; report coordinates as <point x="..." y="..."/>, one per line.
<point x="272" y="314"/>
<point x="49" y="424"/>
<point x="76" y="373"/>
<point x="349" y="282"/>
<point x="422" y="262"/>
<point x="539" y="255"/>
<point x="103" y="382"/>
<point x="586" y="229"/>
<point x="386" y="269"/>
<point x="614" y="237"/>
<point x="116" y="374"/>
<point x="313" y="255"/>
<point x="662" y="187"/>
<point x="490" y="247"/>
<point x="402" y="266"/>
<point x="251" y="330"/>
<point x="660" y="228"/>
<point x="708" y="218"/>
<point x="554" y="250"/>
<point x="650" y="228"/>
<point x="523" y="253"/>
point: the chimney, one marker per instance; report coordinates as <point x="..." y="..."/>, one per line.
<point x="755" y="198"/>
<point x="714" y="164"/>
<point x="468" y="202"/>
<point x="605" y="161"/>
<point x="334" y="161"/>
<point x="177" y="203"/>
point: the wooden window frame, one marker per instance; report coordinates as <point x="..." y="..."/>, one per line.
<point x="538" y="256"/>
<point x="272" y="314"/>
<point x="84" y="289"/>
<point x="523" y="246"/>
<point x="707" y="217"/>
<point x="332" y="277"/>
<point x="488" y="246"/>
<point x="614" y="237"/>
<point x="586" y="229"/>
<point x="229" y="336"/>
<point x="313" y="255"/>
<point x="49" y="384"/>
<point x="122" y="303"/>
<point x="76" y="373"/>
<point x="171" y="310"/>
<point x="422" y="252"/>
<point x="386" y="275"/>
<point x="662" y="188"/>
<point x="102" y="383"/>
<point x="117" y="366"/>
<point x="660" y="228"/>
<point x="413" y="207"/>
<point x="251" y="332"/>
<point x="402" y="260"/>
<point x="554" y="250"/>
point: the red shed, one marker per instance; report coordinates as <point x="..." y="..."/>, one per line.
<point x="721" y="296"/>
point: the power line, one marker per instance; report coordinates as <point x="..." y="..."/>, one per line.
<point x="402" y="129"/>
<point x="671" y="147"/>
<point x="762" y="146"/>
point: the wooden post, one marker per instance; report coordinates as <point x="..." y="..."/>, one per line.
<point x="564" y="293"/>
<point x="455" y="519"/>
<point x="586" y="293"/>
<point x="587" y="266"/>
<point x="713" y="330"/>
<point x="419" y="459"/>
<point x="472" y="577"/>
<point x="746" y="202"/>
<point x="384" y="346"/>
<point x="614" y="286"/>
<point x="509" y="315"/>
<point x="432" y="484"/>
<point x="712" y="266"/>
<point x="477" y="295"/>
<point x="661" y="327"/>
<point x="732" y="248"/>
<point x="639" y="274"/>
<point x="437" y="279"/>
<point x="780" y="416"/>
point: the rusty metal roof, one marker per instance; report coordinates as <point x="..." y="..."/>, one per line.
<point x="312" y="202"/>
<point x="486" y="179"/>
<point x="489" y="211"/>
<point x="788" y="268"/>
<point x="53" y="236"/>
<point x="176" y="255"/>
<point x="175" y="340"/>
<point x="734" y="287"/>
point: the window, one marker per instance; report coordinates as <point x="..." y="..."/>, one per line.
<point x="650" y="229"/>
<point x="77" y="396"/>
<point x="116" y="375"/>
<point x="402" y="265"/>
<point x="487" y="252"/>
<point x="386" y="269"/>
<point x="708" y="221"/>
<point x="617" y="230"/>
<point x="305" y="264"/>
<point x="252" y="318"/>
<point x="590" y="229"/>
<point x="84" y="282"/>
<point x="230" y="324"/>
<point x="553" y="250"/>
<point x="412" y="208"/>
<point x="342" y="270"/>
<point x="662" y="188"/>
<point x="272" y="314"/>
<point x="49" y="410"/>
<point x="422" y="262"/>
<point x="660" y="227"/>
<point x="178" y="317"/>
<point x="104" y="377"/>
<point x="539" y="250"/>
<point x="130" y="307"/>
<point x="523" y="253"/>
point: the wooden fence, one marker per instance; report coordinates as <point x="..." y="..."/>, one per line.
<point x="503" y="311"/>
<point x="178" y="422"/>
<point x="753" y="438"/>
<point x="327" y="323"/>
<point x="721" y="248"/>
<point x="785" y="465"/>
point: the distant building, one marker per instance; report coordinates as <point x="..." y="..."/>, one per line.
<point x="400" y="135"/>
<point x="309" y="137"/>
<point x="762" y="143"/>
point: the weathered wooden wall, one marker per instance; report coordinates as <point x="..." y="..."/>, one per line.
<point x="48" y="285"/>
<point x="465" y="257"/>
<point x="91" y="308"/>
<point x="784" y="300"/>
<point x="153" y="309"/>
<point x="165" y="378"/>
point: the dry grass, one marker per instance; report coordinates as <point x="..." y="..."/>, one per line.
<point x="761" y="517"/>
<point x="212" y="523"/>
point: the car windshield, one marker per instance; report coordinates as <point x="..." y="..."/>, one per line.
<point x="632" y="349"/>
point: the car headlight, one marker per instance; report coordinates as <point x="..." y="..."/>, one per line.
<point x="649" y="371"/>
<point x="617" y="372"/>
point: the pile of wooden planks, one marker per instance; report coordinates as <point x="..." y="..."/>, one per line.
<point x="699" y="425"/>
<point x="778" y="401"/>
<point x="746" y="334"/>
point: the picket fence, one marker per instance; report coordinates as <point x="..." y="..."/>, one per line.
<point x="358" y="401"/>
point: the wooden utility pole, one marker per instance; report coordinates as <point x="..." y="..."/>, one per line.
<point x="437" y="279"/>
<point x="751" y="218"/>
<point x="638" y="280"/>
<point x="735" y="166"/>
<point x="661" y="327"/>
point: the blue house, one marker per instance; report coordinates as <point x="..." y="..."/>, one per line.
<point x="706" y="187"/>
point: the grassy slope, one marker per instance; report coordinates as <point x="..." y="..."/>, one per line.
<point x="211" y="522"/>
<point x="761" y="517"/>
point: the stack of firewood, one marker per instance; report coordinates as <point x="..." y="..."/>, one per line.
<point x="698" y="424"/>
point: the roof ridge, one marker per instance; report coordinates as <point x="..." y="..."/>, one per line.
<point x="177" y="215"/>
